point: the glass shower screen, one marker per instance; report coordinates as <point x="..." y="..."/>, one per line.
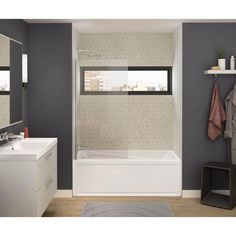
<point x="102" y="107"/>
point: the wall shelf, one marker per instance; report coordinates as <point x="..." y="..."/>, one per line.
<point x="220" y="72"/>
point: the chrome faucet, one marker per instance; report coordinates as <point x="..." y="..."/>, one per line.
<point x="6" y="136"/>
<point x="9" y="137"/>
<point x="3" y="136"/>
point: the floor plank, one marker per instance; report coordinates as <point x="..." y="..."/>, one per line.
<point x="181" y="207"/>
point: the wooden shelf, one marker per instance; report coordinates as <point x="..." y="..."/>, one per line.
<point x="220" y="72"/>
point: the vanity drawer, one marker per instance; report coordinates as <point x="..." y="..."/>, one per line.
<point x="46" y="193"/>
<point x="46" y="165"/>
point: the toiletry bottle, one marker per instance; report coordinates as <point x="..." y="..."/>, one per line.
<point x="26" y="131"/>
<point x="232" y="63"/>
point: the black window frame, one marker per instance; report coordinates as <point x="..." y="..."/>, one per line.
<point x="129" y="68"/>
<point x="4" y="68"/>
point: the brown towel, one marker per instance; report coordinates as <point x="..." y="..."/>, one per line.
<point x="217" y="115"/>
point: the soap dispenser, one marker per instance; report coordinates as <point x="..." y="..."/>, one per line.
<point x="232" y="63"/>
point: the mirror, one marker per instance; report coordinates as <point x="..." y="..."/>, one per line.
<point x="10" y="81"/>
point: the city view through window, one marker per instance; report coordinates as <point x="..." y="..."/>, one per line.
<point x="126" y="80"/>
<point x="4" y="80"/>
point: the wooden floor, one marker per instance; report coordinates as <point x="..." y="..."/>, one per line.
<point x="67" y="207"/>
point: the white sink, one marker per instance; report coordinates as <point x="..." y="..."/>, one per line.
<point x="26" y="149"/>
<point x="24" y="146"/>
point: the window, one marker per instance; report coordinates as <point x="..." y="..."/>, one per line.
<point x="126" y="80"/>
<point x="4" y="80"/>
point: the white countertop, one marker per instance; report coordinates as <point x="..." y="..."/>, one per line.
<point x="26" y="149"/>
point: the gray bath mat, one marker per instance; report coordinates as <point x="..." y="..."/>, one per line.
<point x="126" y="209"/>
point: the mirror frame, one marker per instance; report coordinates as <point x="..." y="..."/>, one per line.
<point x="20" y="121"/>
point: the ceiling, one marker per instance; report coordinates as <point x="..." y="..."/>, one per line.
<point x="125" y="25"/>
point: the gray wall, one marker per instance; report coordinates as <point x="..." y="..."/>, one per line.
<point x="16" y="29"/>
<point x="50" y="90"/>
<point x="200" y="45"/>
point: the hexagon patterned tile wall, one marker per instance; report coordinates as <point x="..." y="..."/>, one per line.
<point x="4" y="49"/>
<point x="4" y="99"/>
<point x="4" y="110"/>
<point x="126" y="122"/>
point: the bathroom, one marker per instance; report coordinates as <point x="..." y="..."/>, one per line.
<point x="126" y="142"/>
<point x="131" y="142"/>
<point x="116" y="117"/>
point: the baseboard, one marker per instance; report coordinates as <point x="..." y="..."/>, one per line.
<point x="63" y="193"/>
<point x="186" y="194"/>
<point x="68" y="193"/>
<point x="127" y="195"/>
<point x="197" y="193"/>
<point x="191" y="194"/>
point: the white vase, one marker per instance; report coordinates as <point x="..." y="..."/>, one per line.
<point x="221" y="63"/>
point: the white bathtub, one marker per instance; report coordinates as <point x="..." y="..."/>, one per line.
<point x="127" y="173"/>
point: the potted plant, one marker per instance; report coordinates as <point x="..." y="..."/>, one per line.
<point x="221" y="59"/>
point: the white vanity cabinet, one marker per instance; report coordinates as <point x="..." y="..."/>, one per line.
<point x="28" y="176"/>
